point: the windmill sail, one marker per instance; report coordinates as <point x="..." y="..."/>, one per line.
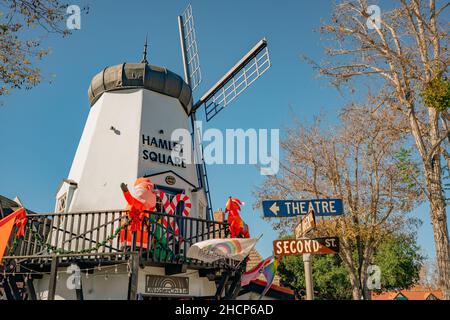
<point x="250" y="68"/>
<point x="188" y="37"/>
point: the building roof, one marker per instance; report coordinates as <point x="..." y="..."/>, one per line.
<point x="253" y="259"/>
<point x="8" y="206"/>
<point x="415" y="293"/>
<point x="258" y="285"/>
<point x="275" y="291"/>
<point x="140" y="75"/>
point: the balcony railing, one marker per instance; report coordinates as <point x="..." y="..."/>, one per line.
<point x="106" y="236"/>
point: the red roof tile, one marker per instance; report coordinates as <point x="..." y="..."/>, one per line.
<point x="274" y="287"/>
<point x="415" y="293"/>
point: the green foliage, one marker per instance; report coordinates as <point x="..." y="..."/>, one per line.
<point x="400" y="262"/>
<point x="409" y="170"/>
<point x="398" y="258"/>
<point x="329" y="276"/>
<point x="18" y="53"/>
<point x="436" y="94"/>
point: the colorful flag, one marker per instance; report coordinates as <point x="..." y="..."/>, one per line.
<point x="254" y="272"/>
<point x="6" y="227"/>
<point x="269" y="273"/>
<point x="216" y="249"/>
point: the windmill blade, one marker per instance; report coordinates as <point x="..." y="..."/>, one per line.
<point x="189" y="48"/>
<point x="250" y="68"/>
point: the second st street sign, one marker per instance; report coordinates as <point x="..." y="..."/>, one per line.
<point x="290" y="247"/>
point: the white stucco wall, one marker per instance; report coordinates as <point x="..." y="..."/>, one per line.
<point x="106" y="284"/>
<point x="103" y="284"/>
<point x="104" y="158"/>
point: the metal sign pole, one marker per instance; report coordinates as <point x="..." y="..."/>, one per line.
<point x="307" y="265"/>
<point x="308" y="277"/>
<point x="303" y="245"/>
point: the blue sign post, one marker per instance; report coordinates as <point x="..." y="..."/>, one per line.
<point x="292" y="208"/>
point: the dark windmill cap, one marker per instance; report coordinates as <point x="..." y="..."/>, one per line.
<point x="141" y="75"/>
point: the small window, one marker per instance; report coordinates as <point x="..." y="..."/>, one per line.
<point x="61" y="203"/>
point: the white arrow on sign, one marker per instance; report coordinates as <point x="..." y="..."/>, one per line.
<point x="274" y="208"/>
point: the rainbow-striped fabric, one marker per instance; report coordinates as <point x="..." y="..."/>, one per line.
<point x="216" y="249"/>
<point x="269" y="272"/>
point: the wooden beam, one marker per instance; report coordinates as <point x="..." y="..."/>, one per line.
<point x="234" y="288"/>
<point x="30" y="289"/>
<point x="52" y="281"/>
<point x="12" y="280"/>
<point x="7" y="289"/>
<point x="222" y="284"/>
<point x="133" y="282"/>
<point x="79" y="292"/>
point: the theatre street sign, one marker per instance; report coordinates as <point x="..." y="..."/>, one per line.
<point x="292" y="208"/>
<point x="290" y="247"/>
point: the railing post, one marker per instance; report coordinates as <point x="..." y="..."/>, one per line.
<point x="52" y="281"/>
<point x="7" y="289"/>
<point x="222" y="284"/>
<point x="30" y="288"/>
<point x="133" y="241"/>
<point x="235" y="287"/>
<point x="133" y="282"/>
<point x="79" y="292"/>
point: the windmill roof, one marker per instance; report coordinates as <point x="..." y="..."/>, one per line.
<point x="140" y="75"/>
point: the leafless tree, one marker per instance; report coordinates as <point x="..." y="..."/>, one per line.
<point x="429" y="276"/>
<point x="407" y="53"/>
<point x="357" y="162"/>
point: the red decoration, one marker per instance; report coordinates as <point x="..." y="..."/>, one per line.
<point x="21" y="222"/>
<point x="238" y="228"/>
<point x="145" y="200"/>
<point x="18" y="218"/>
<point x="170" y="207"/>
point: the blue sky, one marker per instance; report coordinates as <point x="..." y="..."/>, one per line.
<point x="41" y="127"/>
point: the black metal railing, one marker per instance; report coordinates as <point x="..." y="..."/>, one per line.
<point x="107" y="235"/>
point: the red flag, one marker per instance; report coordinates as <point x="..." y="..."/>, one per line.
<point x="6" y="226"/>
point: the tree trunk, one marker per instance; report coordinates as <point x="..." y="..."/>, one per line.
<point x="347" y="259"/>
<point x="356" y="290"/>
<point x="434" y="175"/>
<point x="441" y="239"/>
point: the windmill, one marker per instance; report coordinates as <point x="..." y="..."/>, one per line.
<point x="234" y="82"/>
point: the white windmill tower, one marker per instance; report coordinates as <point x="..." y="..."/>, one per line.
<point x="134" y="109"/>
